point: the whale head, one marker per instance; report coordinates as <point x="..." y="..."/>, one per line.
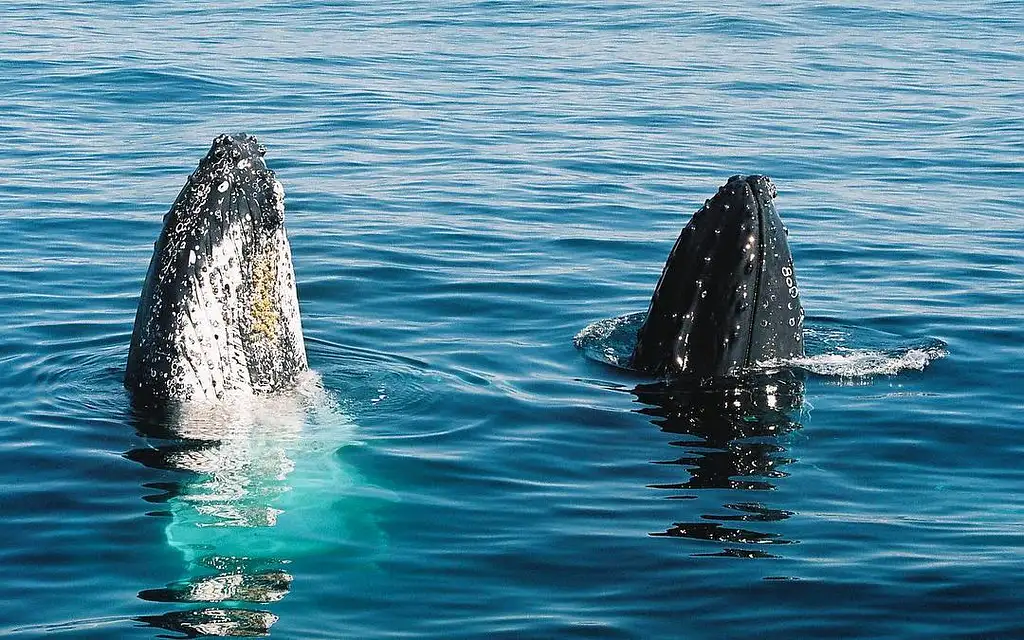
<point x="727" y="299"/>
<point x="219" y="311"/>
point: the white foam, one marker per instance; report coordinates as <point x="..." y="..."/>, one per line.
<point x="611" y="340"/>
<point x="864" y="363"/>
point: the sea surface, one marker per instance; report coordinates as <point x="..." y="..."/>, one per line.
<point x="470" y="184"/>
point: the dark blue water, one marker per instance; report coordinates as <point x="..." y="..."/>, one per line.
<point x="470" y="184"/>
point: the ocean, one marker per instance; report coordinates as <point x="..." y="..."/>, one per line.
<point x="471" y="184"/>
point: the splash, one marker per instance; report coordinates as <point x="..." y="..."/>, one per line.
<point x="848" y="352"/>
<point x="611" y="341"/>
<point x="833" y="350"/>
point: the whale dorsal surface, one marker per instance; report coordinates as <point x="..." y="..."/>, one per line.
<point x="727" y="299"/>
<point x="219" y="311"/>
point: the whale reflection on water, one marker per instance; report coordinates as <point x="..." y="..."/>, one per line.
<point x="736" y="431"/>
<point x="738" y="427"/>
<point x="257" y="483"/>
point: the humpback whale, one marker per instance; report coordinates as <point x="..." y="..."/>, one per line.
<point x="727" y="299"/>
<point x="219" y="312"/>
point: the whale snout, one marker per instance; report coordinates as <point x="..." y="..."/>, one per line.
<point x="760" y="186"/>
<point x="235" y="177"/>
<point x="237" y="145"/>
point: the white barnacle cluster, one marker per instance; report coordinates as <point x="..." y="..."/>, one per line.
<point x="787" y="273"/>
<point x="211" y="348"/>
<point x="200" y="195"/>
<point x="278" y="200"/>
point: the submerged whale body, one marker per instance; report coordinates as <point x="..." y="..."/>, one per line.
<point x="727" y="300"/>
<point x="219" y="311"/>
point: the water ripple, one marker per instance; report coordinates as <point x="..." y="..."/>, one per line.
<point x="470" y="183"/>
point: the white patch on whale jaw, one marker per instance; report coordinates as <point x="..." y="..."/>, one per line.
<point x="239" y="328"/>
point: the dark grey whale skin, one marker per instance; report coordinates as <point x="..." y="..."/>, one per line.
<point x="727" y="300"/>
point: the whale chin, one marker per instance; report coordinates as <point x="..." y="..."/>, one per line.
<point x="727" y="301"/>
<point x="219" y="312"/>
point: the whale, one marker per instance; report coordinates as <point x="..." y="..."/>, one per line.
<point x="219" y="313"/>
<point x="727" y="301"/>
<point x="225" y="401"/>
